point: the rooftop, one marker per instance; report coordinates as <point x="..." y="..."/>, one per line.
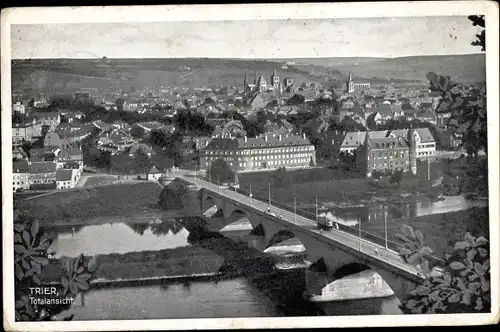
<point x="257" y="142"/>
<point x="42" y="167"/>
<point x="63" y="174"/>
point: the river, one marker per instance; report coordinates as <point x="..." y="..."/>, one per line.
<point x="277" y="294"/>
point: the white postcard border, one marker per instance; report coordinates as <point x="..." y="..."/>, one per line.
<point x="247" y="12"/>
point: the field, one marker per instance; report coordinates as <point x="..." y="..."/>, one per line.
<point x="54" y="76"/>
<point x="100" y="181"/>
<point x="326" y="184"/>
<point x="123" y="200"/>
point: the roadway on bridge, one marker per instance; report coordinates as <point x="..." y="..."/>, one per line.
<point x="366" y="247"/>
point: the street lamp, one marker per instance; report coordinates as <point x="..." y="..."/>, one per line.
<point x="294" y="210"/>
<point x="250" y="195"/>
<point x="316" y="205"/>
<point x="385" y="229"/>
<point x="269" y="191"/>
<point x="218" y="182"/>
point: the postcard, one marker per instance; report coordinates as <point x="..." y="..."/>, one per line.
<point x="250" y="166"/>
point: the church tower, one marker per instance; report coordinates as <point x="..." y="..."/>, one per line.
<point x="349" y="84"/>
<point x="412" y="151"/>
<point x="275" y="80"/>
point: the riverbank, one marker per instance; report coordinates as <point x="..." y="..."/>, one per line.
<point x="209" y="254"/>
<point x="80" y="205"/>
<point x="182" y="261"/>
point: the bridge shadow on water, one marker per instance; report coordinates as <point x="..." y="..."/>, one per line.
<point x="283" y="287"/>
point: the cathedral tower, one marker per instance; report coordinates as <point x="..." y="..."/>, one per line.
<point x="275" y="80"/>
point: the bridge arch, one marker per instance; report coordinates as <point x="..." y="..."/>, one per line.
<point x="208" y="203"/>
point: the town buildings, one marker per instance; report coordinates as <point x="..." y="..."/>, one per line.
<point x="269" y="151"/>
<point x="387" y="154"/>
<point x="26" y="131"/>
<point x="20" y="175"/>
<point x="352" y="87"/>
<point x="42" y="175"/>
<point x="424" y="140"/>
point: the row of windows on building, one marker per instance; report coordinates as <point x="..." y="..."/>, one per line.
<point x="427" y="153"/>
<point x="43" y="181"/>
<point x="263" y="151"/>
<point x="390" y="155"/>
<point x="280" y="162"/>
<point x="396" y="163"/>
<point x="263" y="158"/>
<point x="423" y="146"/>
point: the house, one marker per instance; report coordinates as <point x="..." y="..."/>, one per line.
<point x="44" y="154"/>
<point x="70" y="155"/>
<point x="50" y="120"/>
<point x="387" y="154"/>
<point x="154" y="174"/>
<point x="66" y="178"/>
<point x="64" y="138"/>
<point x="20" y="175"/>
<point x="424" y="140"/>
<point x="102" y="126"/>
<point x="131" y="106"/>
<point x="352" y="140"/>
<point x="19" y="107"/>
<point x="42" y="175"/>
<point x="71" y="116"/>
<point x="233" y="128"/>
<point x="26" y="130"/>
<point x="115" y="142"/>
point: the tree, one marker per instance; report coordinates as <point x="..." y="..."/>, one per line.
<point x="464" y="284"/>
<point x="478" y="20"/>
<point x="467" y="116"/>
<point x="137" y="132"/>
<point x="220" y="170"/>
<point x="30" y="260"/>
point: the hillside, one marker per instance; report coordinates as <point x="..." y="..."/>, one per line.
<point x="462" y="68"/>
<point x="60" y="75"/>
<point x="111" y="74"/>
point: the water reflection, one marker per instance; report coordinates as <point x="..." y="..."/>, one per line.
<point x="227" y="298"/>
<point x="351" y="216"/>
<point x="117" y="238"/>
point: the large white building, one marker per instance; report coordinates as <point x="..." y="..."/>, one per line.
<point x="267" y="151"/>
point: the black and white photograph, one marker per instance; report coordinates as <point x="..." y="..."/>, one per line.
<point x="250" y="166"/>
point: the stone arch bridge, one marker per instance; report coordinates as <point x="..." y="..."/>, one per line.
<point x="331" y="252"/>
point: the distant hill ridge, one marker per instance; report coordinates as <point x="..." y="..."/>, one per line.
<point x="198" y="72"/>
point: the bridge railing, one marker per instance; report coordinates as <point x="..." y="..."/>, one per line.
<point x="385" y="242"/>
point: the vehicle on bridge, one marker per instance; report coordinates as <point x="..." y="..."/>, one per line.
<point x="325" y="223"/>
<point x="268" y="211"/>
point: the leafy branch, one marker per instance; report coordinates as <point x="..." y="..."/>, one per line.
<point x="30" y="260"/>
<point x="463" y="285"/>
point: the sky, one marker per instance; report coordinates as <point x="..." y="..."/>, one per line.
<point x="353" y="37"/>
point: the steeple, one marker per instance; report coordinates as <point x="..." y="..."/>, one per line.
<point x="245" y="82"/>
<point x="255" y="77"/>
